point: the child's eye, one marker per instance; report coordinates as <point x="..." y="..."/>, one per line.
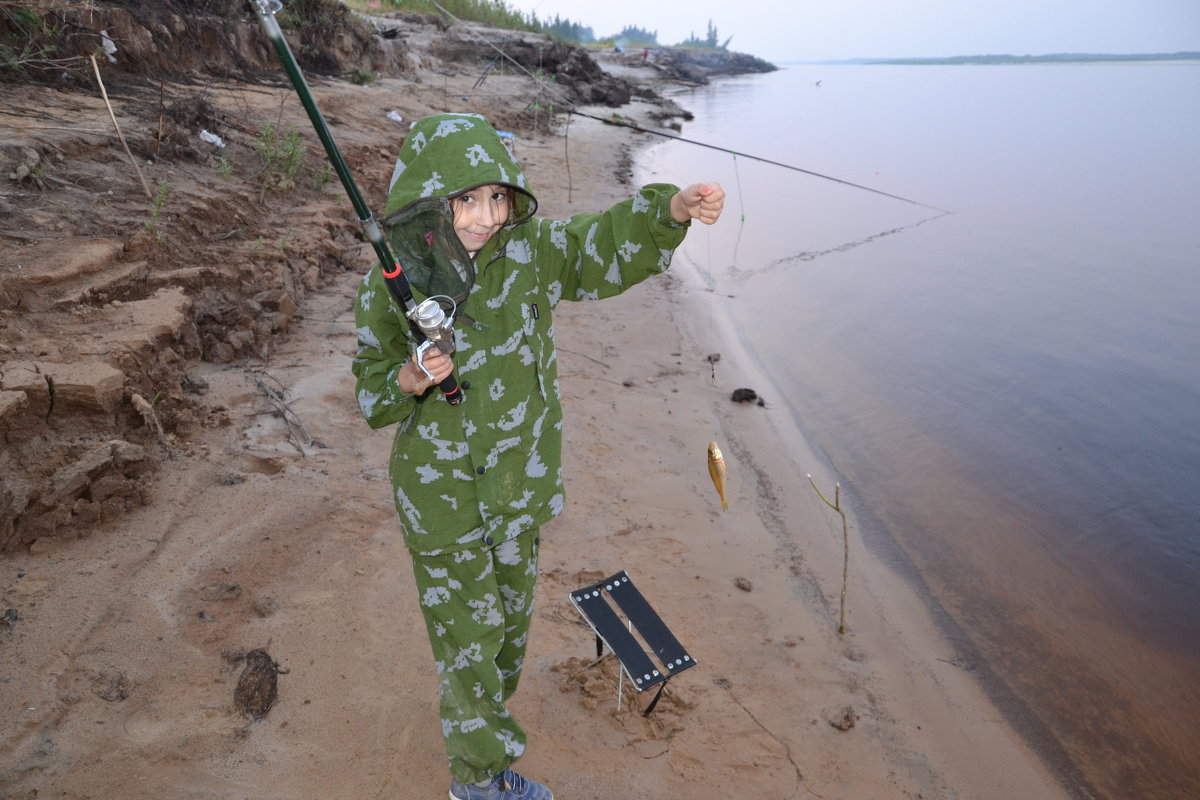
<point x="500" y="197"/>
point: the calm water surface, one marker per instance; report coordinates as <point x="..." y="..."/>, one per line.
<point x="1012" y="390"/>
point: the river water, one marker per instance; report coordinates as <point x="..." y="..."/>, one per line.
<point x="1010" y="391"/>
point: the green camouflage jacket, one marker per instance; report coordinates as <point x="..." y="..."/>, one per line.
<point x="480" y="472"/>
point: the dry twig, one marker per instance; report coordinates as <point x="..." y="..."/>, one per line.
<point x="290" y="418"/>
<point x="836" y="505"/>
<point x="112" y="115"/>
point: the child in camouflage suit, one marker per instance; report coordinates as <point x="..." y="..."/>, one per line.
<point x="474" y="482"/>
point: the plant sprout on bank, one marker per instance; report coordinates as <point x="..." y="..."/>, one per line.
<point x="160" y="200"/>
<point x="282" y="156"/>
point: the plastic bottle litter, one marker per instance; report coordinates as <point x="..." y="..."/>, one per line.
<point x="212" y="138"/>
<point x="110" y="46"/>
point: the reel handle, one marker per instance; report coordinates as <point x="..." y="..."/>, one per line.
<point x="431" y="326"/>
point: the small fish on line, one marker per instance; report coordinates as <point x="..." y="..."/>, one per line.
<point x="716" y="469"/>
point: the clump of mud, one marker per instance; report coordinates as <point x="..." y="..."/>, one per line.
<point x="258" y="685"/>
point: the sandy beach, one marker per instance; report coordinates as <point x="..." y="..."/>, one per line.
<point x="119" y="680"/>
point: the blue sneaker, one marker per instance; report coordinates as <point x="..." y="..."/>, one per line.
<point x="508" y="785"/>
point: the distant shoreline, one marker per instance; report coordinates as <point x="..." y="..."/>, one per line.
<point x="1052" y="58"/>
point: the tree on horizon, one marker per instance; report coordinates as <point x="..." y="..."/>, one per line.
<point x="633" y="35"/>
<point x="571" y="31"/>
<point x="709" y="42"/>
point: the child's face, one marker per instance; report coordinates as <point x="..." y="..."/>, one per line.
<point x="479" y="214"/>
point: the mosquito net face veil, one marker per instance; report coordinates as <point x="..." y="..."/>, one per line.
<point x="423" y="240"/>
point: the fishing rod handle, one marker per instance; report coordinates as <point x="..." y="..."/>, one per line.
<point x="451" y="390"/>
<point x="453" y="393"/>
<point x="430" y="321"/>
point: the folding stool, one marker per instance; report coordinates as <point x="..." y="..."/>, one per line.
<point x="669" y="656"/>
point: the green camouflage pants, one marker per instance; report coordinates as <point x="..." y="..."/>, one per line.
<point x="478" y="604"/>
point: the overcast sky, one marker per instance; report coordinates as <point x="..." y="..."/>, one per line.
<point x="802" y="30"/>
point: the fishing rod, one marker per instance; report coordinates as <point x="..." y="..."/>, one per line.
<point x="427" y="324"/>
<point x="573" y="109"/>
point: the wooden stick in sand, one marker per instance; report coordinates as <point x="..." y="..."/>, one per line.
<point x="113" y="116"/>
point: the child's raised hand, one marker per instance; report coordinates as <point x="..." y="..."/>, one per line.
<point x="702" y="201"/>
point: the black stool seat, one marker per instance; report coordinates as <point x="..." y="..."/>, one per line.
<point x="663" y="659"/>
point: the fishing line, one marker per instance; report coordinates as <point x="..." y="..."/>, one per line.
<point x="737" y="177"/>
<point x="813" y="255"/>
<point x="567" y="156"/>
<point x="572" y="109"/>
<point x="712" y="362"/>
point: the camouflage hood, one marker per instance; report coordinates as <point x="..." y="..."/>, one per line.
<point x="447" y="154"/>
<point x="444" y="156"/>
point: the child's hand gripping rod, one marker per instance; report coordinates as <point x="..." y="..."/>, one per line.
<point x="392" y="272"/>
